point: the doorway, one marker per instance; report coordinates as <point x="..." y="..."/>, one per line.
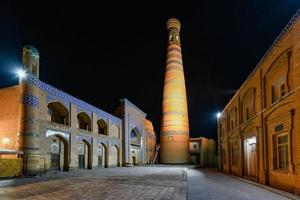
<point x="250" y="158"/>
<point x="81" y="161"/>
<point x="55" y="162"/>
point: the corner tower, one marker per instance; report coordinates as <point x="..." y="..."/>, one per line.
<point x="174" y="134"/>
<point x="31" y="60"/>
<point x="28" y="128"/>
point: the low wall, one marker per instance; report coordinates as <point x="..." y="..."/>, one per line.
<point x="10" y="167"/>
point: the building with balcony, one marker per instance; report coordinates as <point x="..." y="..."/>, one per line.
<point x="54" y="131"/>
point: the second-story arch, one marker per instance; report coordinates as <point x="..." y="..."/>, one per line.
<point x="248" y="104"/>
<point x="102" y="127"/>
<point x="114" y="131"/>
<point x="84" y="121"/>
<point x="232" y="119"/>
<point x="58" y="113"/>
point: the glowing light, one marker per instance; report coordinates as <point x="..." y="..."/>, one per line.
<point x="219" y="115"/>
<point x="251" y="140"/>
<point x="21" y="73"/>
<point x="5" y="140"/>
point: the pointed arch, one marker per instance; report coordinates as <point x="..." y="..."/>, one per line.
<point x="58" y="113"/>
<point x="102" y="127"/>
<point x="84" y="121"/>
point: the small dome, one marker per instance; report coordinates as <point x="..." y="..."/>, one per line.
<point x="149" y="126"/>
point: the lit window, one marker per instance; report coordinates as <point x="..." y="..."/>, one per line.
<point x="280" y="152"/>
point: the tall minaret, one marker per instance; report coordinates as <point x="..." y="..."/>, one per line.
<point x="174" y="134"/>
<point x="28" y="129"/>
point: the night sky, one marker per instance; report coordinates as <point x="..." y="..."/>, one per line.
<point x="102" y="53"/>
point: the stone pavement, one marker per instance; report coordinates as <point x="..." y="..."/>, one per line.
<point x="134" y="183"/>
<point x="115" y="183"/>
<point x="209" y="184"/>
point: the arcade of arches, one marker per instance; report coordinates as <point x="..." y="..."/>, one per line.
<point x="65" y="132"/>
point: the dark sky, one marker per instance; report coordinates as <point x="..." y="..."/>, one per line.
<point x="101" y="53"/>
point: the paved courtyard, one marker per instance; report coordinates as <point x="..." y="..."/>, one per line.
<point x="159" y="182"/>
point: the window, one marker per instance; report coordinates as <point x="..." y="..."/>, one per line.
<point x="280" y="152"/>
<point x="273" y="94"/>
<point x="34" y="69"/>
<point x="282" y="90"/>
<point x="195" y="147"/>
<point x="224" y="156"/>
<point x="235" y="153"/>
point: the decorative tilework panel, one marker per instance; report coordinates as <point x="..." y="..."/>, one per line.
<point x="83" y="110"/>
<point x="51" y="98"/>
<point x="31" y="79"/>
<point x="31" y="100"/>
<point x="87" y="138"/>
<point x="175" y="133"/>
<point x="104" y="141"/>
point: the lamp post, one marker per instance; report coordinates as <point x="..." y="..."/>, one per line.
<point x="218" y="115"/>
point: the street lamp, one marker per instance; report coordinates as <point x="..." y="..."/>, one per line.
<point x="21" y="73"/>
<point x="5" y="140"/>
<point x="218" y="115"/>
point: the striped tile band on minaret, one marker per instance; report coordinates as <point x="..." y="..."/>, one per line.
<point x="174" y="123"/>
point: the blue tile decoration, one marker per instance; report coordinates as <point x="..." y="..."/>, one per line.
<point x="175" y="133"/>
<point x="83" y="110"/>
<point x="87" y="138"/>
<point x="78" y="138"/>
<point x="33" y="80"/>
<point x="104" y="141"/>
<point x="115" y="142"/>
<point x="30" y="119"/>
<point x="51" y="98"/>
<point x="102" y="117"/>
<point x="31" y="100"/>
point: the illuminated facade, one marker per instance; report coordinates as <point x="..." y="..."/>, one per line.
<point x="151" y="141"/>
<point x="203" y="152"/>
<point x="174" y="136"/>
<point x="57" y="131"/>
<point x="259" y="129"/>
<point x="138" y="140"/>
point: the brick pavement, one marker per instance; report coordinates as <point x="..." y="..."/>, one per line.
<point x="134" y="183"/>
<point x="208" y="184"/>
<point x="116" y="183"/>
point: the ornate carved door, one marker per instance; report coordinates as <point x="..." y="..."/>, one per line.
<point x="81" y="163"/>
<point x="55" y="162"/>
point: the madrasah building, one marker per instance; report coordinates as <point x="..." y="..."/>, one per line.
<point x="52" y="130"/>
<point x="259" y="129"/>
<point x="45" y="129"/>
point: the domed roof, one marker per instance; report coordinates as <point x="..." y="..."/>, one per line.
<point x="149" y="126"/>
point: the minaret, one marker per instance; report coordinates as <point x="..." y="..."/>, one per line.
<point x="28" y="129"/>
<point x="174" y="135"/>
